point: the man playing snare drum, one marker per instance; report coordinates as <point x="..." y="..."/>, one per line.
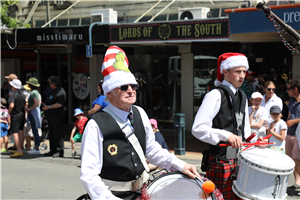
<point x="116" y="142"/>
<point x="216" y="123"/>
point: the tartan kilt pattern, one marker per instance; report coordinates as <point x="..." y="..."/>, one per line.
<point x="219" y="172"/>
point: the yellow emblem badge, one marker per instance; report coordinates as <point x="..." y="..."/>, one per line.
<point x="112" y="149"/>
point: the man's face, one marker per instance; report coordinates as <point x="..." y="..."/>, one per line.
<point x="290" y="91"/>
<point x="52" y="85"/>
<point x="235" y="76"/>
<point x="122" y="99"/>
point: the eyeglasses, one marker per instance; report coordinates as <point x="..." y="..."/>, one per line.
<point x="269" y="89"/>
<point x="125" y="87"/>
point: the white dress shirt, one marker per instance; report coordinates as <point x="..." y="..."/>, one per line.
<point x="92" y="154"/>
<point x="202" y="127"/>
<point x="274" y="100"/>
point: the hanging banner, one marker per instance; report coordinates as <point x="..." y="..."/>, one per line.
<point x="174" y="31"/>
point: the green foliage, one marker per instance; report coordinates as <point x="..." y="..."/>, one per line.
<point x="8" y="21"/>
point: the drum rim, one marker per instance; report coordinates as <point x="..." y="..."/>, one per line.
<point x="213" y="196"/>
<point x="265" y="166"/>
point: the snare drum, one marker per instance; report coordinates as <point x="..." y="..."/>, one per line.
<point x="263" y="174"/>
<point x="175" y="185"/>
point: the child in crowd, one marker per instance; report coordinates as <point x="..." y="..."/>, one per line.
<point x="5" y="125"/>
<point x="258" y="115"/>
<point x="79" y="123"/>
<point x="278" y="129"/>
<point x="158" y="138"/>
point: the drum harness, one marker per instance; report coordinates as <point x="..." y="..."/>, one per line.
<point x="128" y="131"/>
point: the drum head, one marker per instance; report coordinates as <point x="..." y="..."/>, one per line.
<point x="176" y="185"/>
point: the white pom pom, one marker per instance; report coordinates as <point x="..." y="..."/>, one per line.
<point x="217" y="83"/>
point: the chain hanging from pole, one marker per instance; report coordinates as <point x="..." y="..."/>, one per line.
<point x="279" y="28"/>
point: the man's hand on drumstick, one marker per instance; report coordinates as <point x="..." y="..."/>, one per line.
<point x="235" y="141"/>
<point x="190" y="170"/>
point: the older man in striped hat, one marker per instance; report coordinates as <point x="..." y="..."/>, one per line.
<point x="117" y="141"/>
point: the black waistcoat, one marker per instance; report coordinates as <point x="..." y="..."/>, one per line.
<point x="225" y="119"/>
<point x="120" y="161"/>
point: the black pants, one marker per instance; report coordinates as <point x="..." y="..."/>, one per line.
<point x="56" y="132"/>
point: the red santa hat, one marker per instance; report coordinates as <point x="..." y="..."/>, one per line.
<point x="230" y="60"/>
<point x="115" y="69"/>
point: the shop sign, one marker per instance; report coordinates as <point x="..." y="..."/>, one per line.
<point x="29" y="64"/>
<point x="175" y="31"/>
<point x="17" y="54"/>
<point x="80" y="64"/>
<point x="62" y="35"/>
<point x="256" y="21"/>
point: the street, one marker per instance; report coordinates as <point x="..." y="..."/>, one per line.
<point x="39" y="177"/>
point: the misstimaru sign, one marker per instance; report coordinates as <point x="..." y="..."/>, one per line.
<point x="174" y="31"/>
<point x="62" y="35"/>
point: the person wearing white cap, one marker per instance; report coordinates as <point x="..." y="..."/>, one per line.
<point x="113" y="152"/>
<point x="17" y="112"/>
<point x="216" y="122"/>
<point x="258" y="115"/>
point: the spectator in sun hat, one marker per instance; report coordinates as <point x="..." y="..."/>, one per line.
<point x="213" y="122"/>
<point x="34" y="113"/>
<point x="105" y="152"/>
<point x="11" y="77"/>
<point x="5" y="125"/>
<point x="79" y="124"/>
<point x="247" y="85"/>
<point x="258" y="115"/>
<point x="17" y="112"/>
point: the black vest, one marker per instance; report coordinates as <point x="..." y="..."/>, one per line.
<point x="225" y="119"/>
<point x="120" y="160"/>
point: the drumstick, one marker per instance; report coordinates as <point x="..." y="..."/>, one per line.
<point x="250" y="137"/>
<point x="247" y="144"/>
<point x="267" y="137"/>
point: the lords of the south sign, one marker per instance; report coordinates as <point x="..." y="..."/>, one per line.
<point x="191" y="30"/>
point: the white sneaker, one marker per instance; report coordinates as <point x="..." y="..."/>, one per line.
<point x="34" y="151"/>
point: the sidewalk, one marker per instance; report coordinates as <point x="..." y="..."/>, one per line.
<point x="193" y="156"/>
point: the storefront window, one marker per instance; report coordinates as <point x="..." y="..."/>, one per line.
<point x="159" y="83"/>
<point x="81" y="83"/>
<point x="205" y="71"/>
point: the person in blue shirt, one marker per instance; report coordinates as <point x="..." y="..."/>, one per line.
<point x="100" y="102"/>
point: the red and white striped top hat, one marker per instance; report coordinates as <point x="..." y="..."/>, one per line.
<point x="230" y="60"/>
<point x="115" y="69"/>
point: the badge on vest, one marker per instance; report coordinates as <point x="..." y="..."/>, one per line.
<point x="112" y="149"/>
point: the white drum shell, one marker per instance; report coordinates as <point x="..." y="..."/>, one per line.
<point x="263" y="174"/>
